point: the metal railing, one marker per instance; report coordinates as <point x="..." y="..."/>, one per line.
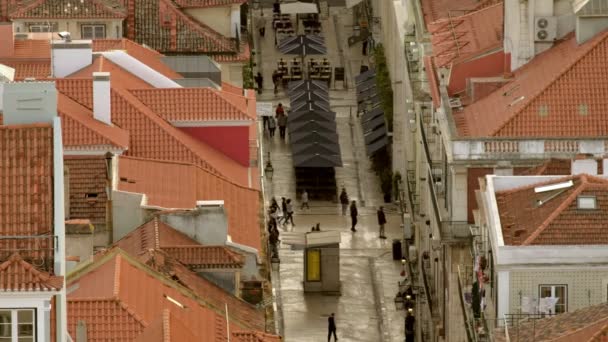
<point x="455" y="230"/>
<point x="38" y="250"/>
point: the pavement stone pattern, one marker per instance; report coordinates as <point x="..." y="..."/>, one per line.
<point x="365" y="310"/>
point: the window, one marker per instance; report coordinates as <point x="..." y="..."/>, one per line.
<point x="93" y="32"/>
<point x="17" y="325"/>
<point x="313" y="265"/>
<point x="40" y="28"/>
<point x="587" y="202"/>
<point x="558" y="291"/>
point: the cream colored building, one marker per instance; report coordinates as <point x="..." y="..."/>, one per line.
<point x="542" y="236"/>
<point x="78" y="28"/>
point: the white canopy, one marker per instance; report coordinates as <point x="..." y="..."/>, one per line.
<point x="352" y="3"/>
<point x="299" y="8"/>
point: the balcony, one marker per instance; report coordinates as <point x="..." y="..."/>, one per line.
<point x="455" y="230"/>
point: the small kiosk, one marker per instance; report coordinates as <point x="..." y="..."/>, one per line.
<point x="321" y="260"/>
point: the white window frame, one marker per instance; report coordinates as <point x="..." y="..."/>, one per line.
<point x="553" y="287"/>
<point x="15" y="324"/>
<point x="41" y="28"/>
<point x="93" y="28"/>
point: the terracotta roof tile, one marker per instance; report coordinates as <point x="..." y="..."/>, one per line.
<point x="570" y="326"/>
<point x="207" y="3"/>
<point x="80" y="129"/>
<point x="560" y="93"/>
<point x="240" y="311"/>
<point x="434" y="10"/>
<point x="553" y="166"/>
<point x="150" y="136"/>
<point x="64" y="9"/>
<point x="600" y="336"/>
<point x="205" y="256"/>
<point x="32" y="69"/>
<point x="161" y="25"/>
<point x="106" y="319"/>
<point x="557" y="221"/>
<point x="180" y="185"/>
<point x="17" y="274"/>
<point x="26" y="194"/>
<point x="190" y="104"/>
<point x="255" y="336"/>
<point x="242" y="55"/>
<point x="32" y="49"/>
<point x="467" y="35"/>
<point x="87" y="177"/>
<point x="118" y="75"/>
<point x="149" y="295"/>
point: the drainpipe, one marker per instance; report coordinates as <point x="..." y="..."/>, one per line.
<point x="109" y="221"/>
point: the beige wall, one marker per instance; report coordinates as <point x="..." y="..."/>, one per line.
<point x="586" y="285"/>
<point x="232" y="73"/>
<point x="218" y="18"/>
<point x="113" y="27"/>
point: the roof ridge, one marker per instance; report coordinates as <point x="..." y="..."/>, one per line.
<point x="131" y="312"/>
<point x="586" y="51"/>
<point x="555" y="213"/>
<point x="202" y="28"/>
<point x="598" y="334"/>
<point x="166" y="325"/>
<point x="156" y="233"/>
<point x="117" y="262"/>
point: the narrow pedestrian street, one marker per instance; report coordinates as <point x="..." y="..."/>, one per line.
<point x="365" y="310"/>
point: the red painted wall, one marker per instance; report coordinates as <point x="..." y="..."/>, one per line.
<point x="233" y="141"/>
<point x="487" y="66"/>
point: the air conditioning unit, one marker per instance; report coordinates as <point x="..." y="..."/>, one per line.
<point x="545" y="29"/>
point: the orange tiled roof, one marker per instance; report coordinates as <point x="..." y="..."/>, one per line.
<point x="560" y="93"/>
<point x="17" y="274"/>
<point x="434" y="10"/>
<point x="466" y="35"/>
<point x="148" y="295"/>
<point x="206" y="256"/>
<point x="553" y="166"/>
<point x="179" y="185"/>
<point x="152" y="137"/>
<point x="158" y="235"/>
<point x="557" y="221"/>
<point x="162" y="25"/>
<point x="25" y="69"/>
<point x="32" y="49"/>
<point x="190" y="104"/>
<point x="207" y="3"/>
<point x="87" y="177"/>
<point x="64" y="9"/>
<point x="107" y="319"/>
<point x="26" y="197"/>
<point x="578" y="325"/>
<point x="255" y="336"/>
<point x="118" y="75"/>
<point x="80" y="129"/>
<point x="600" y="336"/>
<point x="244" y="313"/>
<point x="242" y="55"/>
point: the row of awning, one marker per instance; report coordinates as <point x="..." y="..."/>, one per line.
<point x="375" y="131"/>
<point x="312" y="126"/>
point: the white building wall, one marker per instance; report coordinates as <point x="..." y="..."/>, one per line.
<point x="218" y="18"/>
<point x="113" y="27"/>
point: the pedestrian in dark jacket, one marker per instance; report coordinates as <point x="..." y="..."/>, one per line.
<point x="353" y="215"/>
<point x="276" y="7"/>
<point x="281" y="120"/>
<point x="272" y="125"/>
<point x="381" y="221"/>
<point x="276" y="79"/>
<point x="331" y="327"/>
<point x="283" y="209"/>
<point x="259" y="80"/>
<point x="344" y="201"/>
<point x="289" y="210"/>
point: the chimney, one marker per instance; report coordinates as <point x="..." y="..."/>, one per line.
<point x="81" y="331"/>
<point x="29" y="102"/>
<point x="69" y="57"/>
<point x="7" y="43"/>
<point x="101" y="97"/>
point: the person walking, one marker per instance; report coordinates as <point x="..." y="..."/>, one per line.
<point x="353" y="215"/>
<point x="381" y="221"/>
<point x="304" y="200"/>
<point x="276" y="7"/>
<point x="259" y="80"/>
<point x="289" y="209"/>
<point x="276" y="78"/>
<point x="344" y="201"/>
<point x="331" y="327"/>
<point x="272" y="125"/>
<point x="261" y="23"/>
<point x="284" y="209"/>
<point x="281" y="120"/>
